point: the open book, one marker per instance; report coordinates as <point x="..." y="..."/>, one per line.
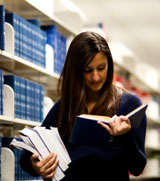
<point x="87" y="131"/>
<point x="44" y="141"/>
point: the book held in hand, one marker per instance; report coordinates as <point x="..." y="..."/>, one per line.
<point x="87" y="131"/>
<point x="44" y="141"/>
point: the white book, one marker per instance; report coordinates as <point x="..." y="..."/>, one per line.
<point x="60" y="145"/>
<point x="35" y="141"/>
<point x="50" y="143"/>
<point x="21" y="145"/>
<point x="40" y="146"/>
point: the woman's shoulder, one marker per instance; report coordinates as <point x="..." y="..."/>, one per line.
<point x="129" y="101"/>
<point x="130" y="97"/>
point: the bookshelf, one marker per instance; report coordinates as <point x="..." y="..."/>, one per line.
<point x="24" y="68"/>
<point x="28" y="9"/>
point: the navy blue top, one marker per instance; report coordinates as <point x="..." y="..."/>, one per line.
<point x="113" y="161"/>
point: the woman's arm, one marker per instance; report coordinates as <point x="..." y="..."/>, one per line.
<point x="132" y="142"/>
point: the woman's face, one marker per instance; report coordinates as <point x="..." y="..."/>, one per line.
<point x="95" y="73"/>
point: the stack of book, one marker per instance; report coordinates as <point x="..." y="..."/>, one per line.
<point x="43" y="141"/>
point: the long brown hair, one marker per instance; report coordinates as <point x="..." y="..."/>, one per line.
<point x="71" y="86"/>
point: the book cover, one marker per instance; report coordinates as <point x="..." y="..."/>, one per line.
<point x="87" y="131"/>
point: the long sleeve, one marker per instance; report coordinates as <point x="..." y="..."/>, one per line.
<point x="133" y="143"/>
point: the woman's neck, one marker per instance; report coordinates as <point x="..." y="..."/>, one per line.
<point x="92" y="98"/>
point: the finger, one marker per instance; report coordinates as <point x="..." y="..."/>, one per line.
<point x="49" y="173"/>
<point x="50" y="161"/>
<point x="47" y="159"/>
<point x="107" y="127"/>
<point x="113" y="118"/>
<point x="34" y="158"/>
<point x="124" y="118"/>
<point x="115" y="122"/>
<point x="41" y="166"/>
<point x="46" y="166"/>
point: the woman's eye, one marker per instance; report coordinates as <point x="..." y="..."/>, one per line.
<point x="87" y="70"/>
<point x="101" y="68"/>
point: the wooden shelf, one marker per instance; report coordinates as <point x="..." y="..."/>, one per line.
<point x="4" y="120"/>
<point x="26" y="122"/>
<point x="153" y="122"/>
<point x="25" y="9"/>
<point x="140" y="83"/>
<point x="151" y="148"/>
<point x="26" y="69"/>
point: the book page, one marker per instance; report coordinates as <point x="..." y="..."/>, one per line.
<point x="96" y="117"/>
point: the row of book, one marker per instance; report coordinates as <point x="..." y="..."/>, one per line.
<point x="28" y="97"/>
<point x="58" y="43"/>
<point x="31" y="39"/>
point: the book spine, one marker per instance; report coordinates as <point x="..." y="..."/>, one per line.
<point x="1" y="91"/>
<point x="58" y="172"/>
<point x="2" y="20"/>
<point x="14" y="20"/>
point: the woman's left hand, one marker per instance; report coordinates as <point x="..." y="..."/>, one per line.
<point x="118" y="125"/>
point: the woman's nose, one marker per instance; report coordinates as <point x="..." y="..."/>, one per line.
<point x="95" y="76"/>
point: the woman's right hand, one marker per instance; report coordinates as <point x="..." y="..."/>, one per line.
<point x="46" y="167"/>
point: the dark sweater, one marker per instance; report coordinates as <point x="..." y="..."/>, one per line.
<point x="110" y="162"/>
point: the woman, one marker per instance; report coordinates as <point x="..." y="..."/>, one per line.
<point x="86" y="86"/>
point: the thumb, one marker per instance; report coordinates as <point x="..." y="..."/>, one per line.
<point x="34" y="157"/>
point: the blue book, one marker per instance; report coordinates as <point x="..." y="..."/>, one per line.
<point x="19" y="173"/>
<point x="14" y="20"/>
<point x="1" y="91"/>
<point x="15" y="82"/>
<point x="52" y="39"/>
<point x="35" y="22"/>
<point x="2" y="21"/>
<point x="87" y="131"/>
<point x="29" y="101"/>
